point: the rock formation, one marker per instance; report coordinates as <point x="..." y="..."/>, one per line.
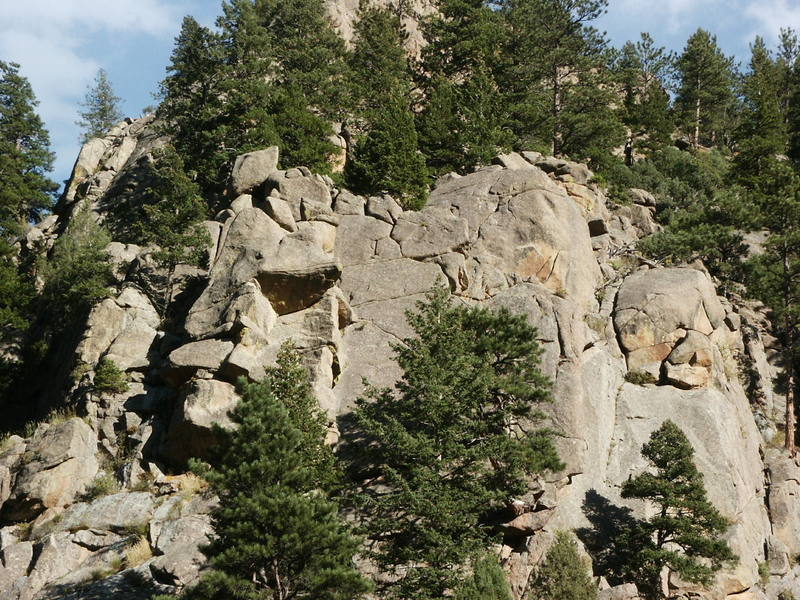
<point x="295" y="257"/>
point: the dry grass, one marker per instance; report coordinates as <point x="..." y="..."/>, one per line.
<point x="138" y="553"/>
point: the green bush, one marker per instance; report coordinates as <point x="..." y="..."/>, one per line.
<point x="104" y="484"/>
<point x="563" y="574"/>
<point x="640" y="377"/>
<point x="109" y="378"/>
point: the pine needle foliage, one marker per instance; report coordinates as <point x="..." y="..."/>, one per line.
<point x="487" y="582"/>
<point x="276" y="533"/>
<point x="453" y="441"/>
<point x="684" y="535"/>
<point x="101" y="108"/>
<point x="563" y="574"/>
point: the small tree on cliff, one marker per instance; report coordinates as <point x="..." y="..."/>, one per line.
<point x="276" y="534"/>
<point x="453" y="442"/>
<point x="684" y="535"/>
<point x="100" y="108"/>
<point x="563" y="574"/>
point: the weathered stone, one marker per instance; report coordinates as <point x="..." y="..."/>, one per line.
<point x="294" y="187"/>
<point x="384" y="208"/>
<point x="347" y="203"/>
<point x="241" y="202"/>
<point x="388" y="280"/>
<point x="626" y="591"/>
<point x="252" y="169"/>
<point x="117" y="512"/>
<point x="429" y="233"/>
<point x="57" y="466"/>
<point x="251" y="237"/>
<point x="16" y="559"/>
<point x="57" y="556"/>
<point x="652" y="304"/>
<point x="190" y="432"/>
<point x="642" y="197"/>
<point x="281" y="213"/>
<point x="179" y="541"/>
<point x="512" y="160"/>
<point x="688" y="376"/>
<point x="357" y="238"/>
<point x="205" y="354"/>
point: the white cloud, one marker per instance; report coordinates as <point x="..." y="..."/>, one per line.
<point x="770" y="16"/>
<point x="672" y="15"/>
<point x="53" y="41"/>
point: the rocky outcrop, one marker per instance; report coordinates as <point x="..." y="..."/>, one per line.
<point x="296" y="258"/>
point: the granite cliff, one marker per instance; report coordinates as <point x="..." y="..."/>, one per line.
<point x="295" y="257"/>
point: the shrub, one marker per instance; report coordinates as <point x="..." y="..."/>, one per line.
<point x="563" y="574"/>
<point x="103" y="485"/>
<point x="640" y="377"/>
<point x="109" y="378"/>
<point x="138" y="553"/>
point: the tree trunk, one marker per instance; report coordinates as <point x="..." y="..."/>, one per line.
<point x="557" y="137"/>
<point x="697" y="123"/>
<point x="790" y="416"/>
<point x="788" y="355"/>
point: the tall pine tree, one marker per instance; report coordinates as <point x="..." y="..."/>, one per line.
<point x="644" y="71"/>
<point x="705" y="93"/>
<point x="386" y="158"/>
<point x="560" y="90"/>
<point x="449" y="448"/>
<point x="684" y="533"/>
<point x="101" y="108"/>
<point x="563" y="573"/>
<point x="276" y="533"/>
<point x="462" y="122"/>
<point x="762" y="132"/>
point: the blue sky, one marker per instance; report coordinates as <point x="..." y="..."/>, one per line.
<point x="61" y="44"/>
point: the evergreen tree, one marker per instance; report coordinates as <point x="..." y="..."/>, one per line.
<point x="101" y="108"/>
<point x="452" y="443"/>
<point x="645" y="71"/>
<point x="762" y="132"/>
<point x="487" y="582"/>
<point x="773" y="276"/>
<point x="387" y="157"/>
<point x="275" y="533"/>
<point x="77" y="274"/>
<point x="705" y="93"/>
<point x="458" y="75"/>
<point x="684" y="533"/>
<point x="563" y="574"/>
<point x="171" y="219"/>
<point x="25" y="156"/>
<point x="559" y="87"/>
<point x="216" y="96"/>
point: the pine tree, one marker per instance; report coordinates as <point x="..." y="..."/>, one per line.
<point x="487" y="582"/>
<point x="25" y="156"/>
<point x="762" y="132"/>
<point x="170" y="218"/>
<point x="559" y="87"/>
<point x="387" y="159"/>
<point x="705" y="94"/>
<point x="448" y="444"/>
<point x="458" y="76"/>
<point x="563" y="574"/>
<point x="684" y="535"/>
<point x="101" y="108"/>
<point x="773" y="276"/>
<point x="275" y="533"/>
<point x="645" y="71"/>
<point x="77" y="273"/>
<point x="216" y="96"/>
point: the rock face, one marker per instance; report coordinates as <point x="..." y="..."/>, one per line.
<point x="295" y="258"/>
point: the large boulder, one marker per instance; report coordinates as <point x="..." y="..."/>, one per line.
<point x="252" y="169"/>
<point x="205" y="403"/>
<point x="120" y="512"/>
<point x="59" y="463"/>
